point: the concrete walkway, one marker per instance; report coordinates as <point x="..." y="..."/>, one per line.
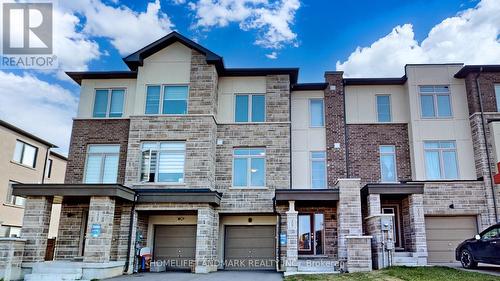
<point x="214" y="276"/>
<point x="482" y="268"/>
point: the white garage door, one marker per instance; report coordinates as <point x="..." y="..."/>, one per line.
<point x="445" y="233"/>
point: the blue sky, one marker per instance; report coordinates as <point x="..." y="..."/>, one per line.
<point x="362" y="38"/>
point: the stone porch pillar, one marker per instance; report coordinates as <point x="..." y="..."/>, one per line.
<point x="381" y="228"/>
<point x="127" y="234"/>
<point x="374" y="206"/>
<point x="415" y="239"/>
<point x="99" y="234"/>
<point x="292" y="253"/>
<point x="35" y="228"/>
<point x="348" y="213"/>
<point x="207" y="232"/>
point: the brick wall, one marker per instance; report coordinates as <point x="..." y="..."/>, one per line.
<point x="277" y="98"/>
<point x="364" y="157"/>
<point x="276" y="139"/>
<point x="11" y="256"/>
<point x="199" y="133"/>
<point x="99" y="131"/>
<point x="334" y="125"/>
<point x="202" y="86"/>
<point x="486" y="83"/>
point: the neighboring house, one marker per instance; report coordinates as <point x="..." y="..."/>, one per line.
<point x="218" y="168"/>
<point x="24" y="158"/>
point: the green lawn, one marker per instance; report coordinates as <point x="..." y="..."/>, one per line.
<point x="401" y="274"/>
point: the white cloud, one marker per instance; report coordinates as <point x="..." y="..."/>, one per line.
<point x="271" y="20"/>
<point x="179" y="2"/>
<point x="471" y="37"/>
<point x="43" y="109"/>
<point x="127" y="29"/>
<point x="272" y="55"/>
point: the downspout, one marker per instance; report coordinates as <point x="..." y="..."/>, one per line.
<point x="130" y="229"/>
<point x="290" y="135"/>
<point x="45" y="164"/>
<point x="279" y="232"/>
<point x="483" y="122"/>
<point x="346" y="138"/>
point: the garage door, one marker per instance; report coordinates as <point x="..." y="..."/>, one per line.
<point x="250" y="248"/>
<point x="445" y="233"/>
<point x="176" y="245"/>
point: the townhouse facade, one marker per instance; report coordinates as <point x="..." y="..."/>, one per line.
<point x="212" y="168"/>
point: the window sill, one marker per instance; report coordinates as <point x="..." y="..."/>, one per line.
<point x="160" y="184"/>
<point x="248" y="188"/>
<point x="13" y="206"/>
<point x="22" y="165"/>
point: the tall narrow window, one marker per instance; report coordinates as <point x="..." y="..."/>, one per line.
<point x="317" y="113"/>
<point x="250" y="108"/>
<point x="163" y="162"/>
<point x="109" y="103"/>
<point x="384" y="108"/>
<point x="166" y="99"/>
<point x="25" y="154"/>
<point x="387" y="163"/>
<point x="48" y="169"/>
<point x="12" y="199"/>
<point x="318" y="169"/>
<point x="440" y="160"/>
<point x="435" y="101"/>
<point x="497" y="96"/>
<point x="102" y="164"/>
<point x="249" y="167"/>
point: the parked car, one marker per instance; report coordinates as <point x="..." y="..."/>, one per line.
<point x="484" y="248"/>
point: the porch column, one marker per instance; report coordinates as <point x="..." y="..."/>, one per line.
<point x="99" y="230"/>
<point x="292" y="254"/>
<point x="207" y="232"/>
<point x="381" y="228"/>
<point x="35" y="228"/>
<point x="415" y="238"/>
<point x="127" y="233"/>
<point x="348" y="213"/>
<point x="374" y="207"/>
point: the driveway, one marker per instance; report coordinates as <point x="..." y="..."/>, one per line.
<point x="214" y="276"/>
<point x="482" y="268"/>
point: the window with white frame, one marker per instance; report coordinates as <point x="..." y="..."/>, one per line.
<point x="435" y="101"/>
<point x="440" y="160"/>
<point x="163" y="162"/>
<point x="249" y="167"/>
<point x="109" y="103"/>
<point x="25" y="154"/>
<point x="7" y="231"/>
<point x="497" y="96"/>
<point x="102" y="163"/>
<point x="167" y="99"/>
<point x="250" y="108"/>
<point x="316" y="113"/>
<point x="384" y="108"/>
<point x="388" y="163"/>
<point x="318" y="169"/>
<point x="12" y="199"/>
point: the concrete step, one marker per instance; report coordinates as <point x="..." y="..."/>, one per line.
<point x="317" y="265"/>
<point x="403" y="254"/>
<point x="57" y="268"/>
<point x="52" y="277"/>
<point x="407" y="261"/>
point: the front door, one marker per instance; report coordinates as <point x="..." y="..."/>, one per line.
<point x="311" y="234"/>
<point x="394" y="209"/>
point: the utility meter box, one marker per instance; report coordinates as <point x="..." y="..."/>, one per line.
<point x="386" y="223"/>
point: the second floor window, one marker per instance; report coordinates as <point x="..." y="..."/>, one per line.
<point x="102" y="164"/>
<point x="109" y="103"/>
<point x="435" y="101"/>
<point x="383" y="108"/>
<point x="12" y="199"/>
<point x="166" y="99"/>
<point x="497" y="96"/>
<point x="440" y="160"/>
<point x="387" y="163"/>
<point x="249" y="167"/>
<point x="163" y="162"/>
<point x="25" y="154"/>
<point x="318" y="169"/>
<point x="48" y="169"/>
<point x="250" y="108"/>
<point x="316" y="113"/>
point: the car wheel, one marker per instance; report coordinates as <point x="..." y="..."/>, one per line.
<point x="467" y="260"/>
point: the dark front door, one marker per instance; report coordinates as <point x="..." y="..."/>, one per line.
<point x="311" y="234"/>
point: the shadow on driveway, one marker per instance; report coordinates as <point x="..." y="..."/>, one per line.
<point x="482" y="268"/>
<point x="214" y="276"/>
